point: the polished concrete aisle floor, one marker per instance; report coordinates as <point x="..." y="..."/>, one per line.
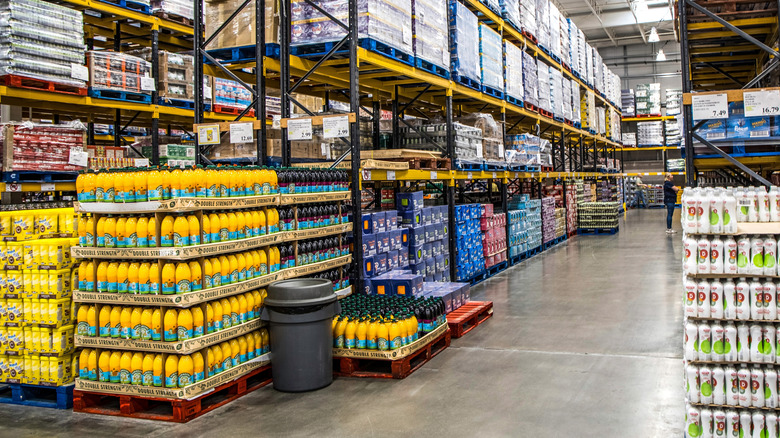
<point x="585" y="342"/>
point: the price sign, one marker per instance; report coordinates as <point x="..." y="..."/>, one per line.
<point x="762" y="103"/>
<point x="147" y="83"/>
<point x="391" y="175"/>
<point x="276" y="121"/>
<point x="366" y="175"/>
<point x="242" y="133"/>
<point x="141" y="162"/>
<point x="48" y="187"/>
<point x="206" y="91"/>
<point x="434" y="175"/>
<point x="208" y="134"/>
<point x="495" y="175"/>
<point x="468" y="175"/>
<point x="79" y="72"/>
<point x="78" y="157"/>
<point x="333" y="127"/>
<point x="710" y="106"/>
<point x="299" y="129"/>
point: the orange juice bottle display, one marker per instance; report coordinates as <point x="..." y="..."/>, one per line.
<point x="131" y="232"/>
<point x="185" y="371"/>
<point x="154" y="184"/>
<point x="240" y="266"/>
<point x="135" y="323"/>
<point x="248" y="224"/>
<point x="129" y="185"/>
<point x="133" y="277"/>
<point x="242" y="308"/>
<point x="257" y="181"/>
<point x="193" y="225"/>
<point x="197" y="322"/>
<point x="169" y="279"/>
<point x="184" y="329"/>
<point x="224" y="182"/>
<point x="212" y="182"/>
<point x="187" y="183"/>
<point x="242" y="347"/>
<point x="177" y="185"/>
<point x="167" y="182"/>
<point x="166" y="231"/>
<point x="104" y="322"/>
<point x="141" y="185"/>
<point x="233" y="183"/>
<point x="111" y="276"/>
<point x="142" y="232"/>
<point x="158" y="375"/>
<point x="100" y="182"/>
<point x="155" y="287"/>
<point x="214" y="226"/>
<point x="256" y="224"/>
<point x="122" y="277"/>
<point x="145" y="329"/>
<point x="258" y="300"/>
<point x="115" y="318"/>
<point x="151" y="233"/>
<point x="80" y="186"/>
<point x="104" y="366"/>
<point x="196" y="276"/>
<point x="82" y="325"/>
<point x="224" y="233"/>
<point x="227" y="358"/>
<point x="102" y="276"/>
<point x="250" y="264"/>
<point x="125" y="319"/>
<point x="170" y="325"/>
<point x="250" y="306"/>
<point x="233" y="264"/>
<point x="109" y="232"/>
<point x="251" y="352"/>
<point x="172" y="371"/>
<point x="181" y="231"/>
<point x="240" y="226"/>
<point x="198" y="367"/>
<point x="216" y="306"/>
<point x="183" y="278"/>
<point x="235" y="351"/>
<point x="125" y="364"/>
<point x="235" y="311"/>
<point x="209" y="323"/>
<point x="155" y="328"/>
<point x="224" y="270"/>
<point x="109" y="186"/>
<point x="148" y="370"/>
<point x="273" y="181"/>
<point x="199" y="178"/>
<point x="211" y="357"/>
<point x="208" y="273"/>
<point x="121" y="232"/>
<point x="205" y="230"/>
<point x="232" y="225"/>
<point x="227" y="321"/>
<point x="261" y="262"/>
<point x="216" y="269"/>
<point x="258" y="342"/>
<point x="137" y="369"/>
<point x="89" y="186"/>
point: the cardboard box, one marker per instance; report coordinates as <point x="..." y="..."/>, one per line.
<point x="241" y="30"/>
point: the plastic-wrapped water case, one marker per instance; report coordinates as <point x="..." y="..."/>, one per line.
<point x="491" y="58"/>
<point x="543" y="90"/>
<point x="598" y="71"/>
<point x="117" y="71"/>
<point x="575" y="102"/>
<point x="44" y="147"/>
<point x="385" y="21"/>
<point x="563" y="28"/>
<point x="40" y="40"/>
<point x="556" y="92"/>
<point x="464" y="42"/>
<point x="555" y="32"/>
<point x="528" y="16"/>
<point x="582" y="53"/>
<point x="429" y="27"/>
<point x="513" y="71"/>
<point x="182" y="8"/>
<point x="574" y="46"/>
<point x="589" y="59"/>
<point x="543" y="23"/>
<point x="510" y="11"/>
<point x="566" y="88"/>
<point x="530" y="81"/>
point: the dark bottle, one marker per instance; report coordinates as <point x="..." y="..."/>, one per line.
<point x="283" y="256"/>
<point x="282" y="180"/>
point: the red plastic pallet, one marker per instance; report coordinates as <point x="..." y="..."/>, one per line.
<point x="163" y="409"/>
<point x="391" y="369"/>
<point x="221" y="109"/>
<point x="41" y="85"/>
<point x="468" y="317"/>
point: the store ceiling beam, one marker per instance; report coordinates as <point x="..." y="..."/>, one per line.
<point x="621" y="18"/>
<point x="597" y="14"/>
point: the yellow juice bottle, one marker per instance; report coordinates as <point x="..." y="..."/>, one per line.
<point x="141" y="185"/>
<point x="116" y="322"/>
<point x="184" y="328"/>
<point x="186" y="371"/>
<point x="258" y="342"/>
<point x="249" y="188"/>
<point x="169" y="279"/>
<point x="258" y="298"/>
<point x="99" y="236"/>
<point x="187" y="183"/>
<point x="154" y="184"/>
<point x="216" y="269"/>
<point x="266" y="340"/>
<point x="227" y="321"/>
<point x="125" y="319"/>
<point x="209" y="371"/>
<point x="92" y="365"/>
<point x="251" y="352"/>
<point x="155" y="327"/>
<point x="277" y="258"/>
<point x="122" y="279"/>
<point x="250" y="306"/>
<point x="259" y="179"/>
<point x="260" y="221"/>
<point x="181" y="231"/>
<point x="157" y="373"/>
<point x="235" y="353"/>
<point x="208" y="272"/>
<point x="224" y="182"/>
<point x="82" y="224"/>
<point x="242" y="309"/>
<point x="209" y="323"/>
<point x="240" y="225"/>
<point x="224" y="269"/>
<point x="151" y="233"/>
<point x="235" y="183"/>
<point x="205" y="231"/>
<point x="155" y="287"/>
<point x="170" y="325"/>
<point x="135" y="323"/>
<point x="232" y="226"/>
<point x="145" y="328"/>
<point x="196" y="276"/>
<point x="201" y="182"/>
<point x="240" y="266"/>
<point x="216" y="305"/>
<point x="227" y="356"/>
<point x="141" y="232"/>
<point x="111" y="277"/>
<point x="382" y="337"/>
<point x="104" y="322"/>
<point x="242" y="349"/>
<point x="273" y="220"/>
<point x="198" y="322"/>
<point x="172" y="371"/>
<point x="88" y="275"/>
<point x="217" y="352"/>
<point x="109" y="232"/>
<point x="214" y="227"/>
<point x="121" y="232"/>
<point x="198" y="367"/>
<point x="100" y="182"/>
<point x="92" y="320"/>
<point x="177" y="185"/>
<point x="82" y="325"/>
<point x="129" y="181"/>
<point x="133" y="272"/>
<point x="360" y="334"/>
<point x="166" y="231"/>
<point x="253" y="222"/>
<point x="125" y="367"/>
<point x="212" y="182"/>
<point x="183" y="278"/>
<point x="104" y="366"/>
<point x="193" y="225"/>
<point x="147" y="370"/>
<point x="273" y="181"/>
<point x="224" y="233"/>
<point x="80" y="186"/>
<point x="90" y="180"/>
<point x="84" y="363"/>
<point x="259" y="259"/>
<point x="248" y="224"/>
<point x="137" y="369"/>
<point x="114" y="366"/>
<point x="167" y="182"/>
<point x="249" y="256"/>
<point x="233" y="264"/>
<point x="109" y="191"/>
<point x="131" y="232"/>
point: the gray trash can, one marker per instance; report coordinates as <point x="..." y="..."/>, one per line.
<point x="300" y="313"/>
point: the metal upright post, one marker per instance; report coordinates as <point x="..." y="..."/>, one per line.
<point x="260" y="134"/>
<point x="197" y="42"/>
<point x="375" y="119"/>
<point x="117" y="112"/>
<point x="155" y="158"/>
<point x="354" y="106"/>
<point x="687" y="110"/>
<point x="284" y="78"/>
<point x="451" y="186"/>
<point x="396" y="128"/>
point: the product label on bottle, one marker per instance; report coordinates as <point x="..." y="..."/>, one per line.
<point x="114" y="377"/>
<point x="382" y="344"/>
<point x="179" y="240"/>
<point x="233" y="235"/>
<point x="152" y="242"/>
<point x="109" y="241"/>
<point x="82" y="328"/>
<point x="350" y="343"/>
<point x="250" y="272"/>
<point x="263" y="269"/>
<point x="92" y="375"/>
<point x="183" y="333"/>
<point x="172" y="380"/>
<point x="102" y="286"/>
<point x="216" y="280"/>
<point x="166" y="240"/>
<point x="116" y="331"/>
<point x="147" y="378"/>
<point x="136" y="377"/>
<point x="193" y="239"/>
<point x="250" y="355"/>
<point x="233" y="276"/>
<point x="224" y="235"/>
<point x="157" y="380"/>
<point x="183" y="286"/>
<point x="105" y="376"/>
<point x="170" y="335"/>
<point x="105" y="331"/>
<point x="91" y="331"/>
<point x="226" y="321"/>
<point x="227" y="364"/>
<point x="122" y="286"/>
<point x="234" y="318"/>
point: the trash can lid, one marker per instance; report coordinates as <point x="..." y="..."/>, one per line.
<point x="299" y="292"/>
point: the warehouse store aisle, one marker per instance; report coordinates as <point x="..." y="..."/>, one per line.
<point x="584" y="343"/>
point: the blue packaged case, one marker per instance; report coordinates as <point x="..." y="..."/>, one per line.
<point x="416" y="254"/>
<point x="368" y="287"/>
<point x="439" y="263"/>
<point x="430" y="266"/>
<point x="368" y="224"/>
<point x="427" y="215"/>
<point x="403" y="258"/>
<point x="369" y="244"/>
<point x="412" y="218"/>
<point x="409" y="201"/>
<point x="430" y="233"/>
<point x="378" y="219"/>
<point x="392" y="259"/>
<point x="435" y="248"/>
<point x="416" y="236"/>
<point x="382" y="285"/>
<point x="382" y="242"/>
<point x="408" y="285"/>
<point x="438" y="231"/>
<point x="404" y="237"/>
<point x="369" y="266"/>
<point x="437" y="277"/>
<point x="418" y="268"/>
<point x="391" y="219"/>
<point x="428" y="250"/>
<point x="380" y="261"/>
<point x="395" y="239"/>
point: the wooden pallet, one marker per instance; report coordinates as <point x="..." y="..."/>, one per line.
<point x="429" y="163"/>
<point x="173" y="17"/>
<point x="41" y="85"/>
<point x="162" y="409"/>
<point x="42" y="396"/>
<point x="381" y="368"/>
<point x="468" y="317"/>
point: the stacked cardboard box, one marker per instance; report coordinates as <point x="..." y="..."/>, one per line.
<point x="648" y="99"/>
<point x="510" y="11"/>
<point x="385" y="248"/>
<point x="492" y="147"/>
<point x="40" y="147"/>
<point x="597" y="214"/>
<point x="588" y="111"/>
<point x="430" y="28"/>
<point x="576" y="117"/>
<point x="560" y="222"/>
<point x="574" y="46"/>
<point x="563" y="29"/>
<point x="179" y="8"/>
<point x="118" y="72"/>
<point x="673" y="131"/>
<point x="174" y="155"/>
<point x="556" y="92"/>
<point x="543" y="23"/>
<point x="241" y="30"/>
<point x="628" y="103"/>
<point x="553" y="23"/>
<point x="629" y="139"/>
<point x="525" y="231"/>
<point x="673" y="102"/>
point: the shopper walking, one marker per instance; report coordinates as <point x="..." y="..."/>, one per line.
<point x="639" y="194"/>
<point x="670" y="198"/>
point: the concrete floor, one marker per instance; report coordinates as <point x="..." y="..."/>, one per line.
<point x="585" y="342"/>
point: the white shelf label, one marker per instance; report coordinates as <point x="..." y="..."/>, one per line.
<point x="299" y="129"/>
<point x="495" y="175"/>
<point x="468" y="175"/>
<point x="79" y="72"/>
<point x="762" y="103"/>
<point x="147" y="84"/>
<point x="78" y="157"/>
<point x="366" y="175"/>
<point x="434" y="175"/>
<point x="141" y="162"/>
<point x="391" y="175"/>
<point x="276" y="121"/>
<point x="333" y="127"/>
<point x="48" y="187"/>
<point x="208" y="134"/>
<point x="710" y="106"/>
<point x="242" y="133"/>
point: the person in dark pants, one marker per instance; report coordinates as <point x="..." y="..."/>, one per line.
<point x="670" y="198"/>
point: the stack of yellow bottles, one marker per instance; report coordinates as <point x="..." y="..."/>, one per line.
<point x="374" y="333"/>
<point x="22" y="223"/>
<point x="170" y="371"/>
<point x="168" y="325"/>
<point x="157" y="184"/>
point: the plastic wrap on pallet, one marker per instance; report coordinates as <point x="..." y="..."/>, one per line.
<point x="176" y="73"/>
<point x="648" y="99"/>
<point x="40" y="147"/>
<point x="118" y="71"/>
<point x="628" y="104"/>
<point x="548" y="219"/>
<point x="181" y="8"/>
<point x="530" y="79"/>
<point x="598" y="71"/>
<point x="597" y="214"/>
<point x="650" y="134"/>
<point x="230" y="93"/>
<point x="543" y="91"/>
<point x="510" y="11"/>
<point x="614" y="124"/>
<point x="574" y="46"/>
<point x="575" y="102"/>
<point x="522" y="149"/>
<point x="673" y="130"/>
<point x="629" y="139"/>
<point x="40" y="40"/>
<point x="528" y="16"/>
<point x="556" y="92"/>
<point x="385" y="21"/>
<point x="491" y="134"/>
<point x="464" y="41"/>
<point x="240" y="31"/>
<point x="566" y="87"/>
<point x="563" y="29"/>
<point x="430" y="27"/>
<point x="601" y="122"/>
<point x="582" y="53"/>
<point x="673" y="101"/>
<point x="513" y="71"/>
<point x="553" y="24"/>
<point x="491" y="58"/>
<point x="589" y="59"/>
<point x="470" y="256"/>
<point x="543" y="23"/>
<point x="588" y="110"/>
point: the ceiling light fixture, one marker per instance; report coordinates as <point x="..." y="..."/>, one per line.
<point x="661" y="56"/>
<point x="653" y="38"/>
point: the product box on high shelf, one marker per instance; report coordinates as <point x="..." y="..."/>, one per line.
<point x="543" y="90"/>
<point x="240" y="31"/>
<point x="491" y="61"/>
<point x="648" y="99"/>
<point x="176" y="69"/>
<point x="35" y="147"/>
<point x="543" y="23"/>
<point x="430" y="29"/>
<point x="740" y="127"/>
<point x="177" y="8"/>
<point x="530" y="80"/>
<point x="464" y="45"/>
<point x="121" y="72"/>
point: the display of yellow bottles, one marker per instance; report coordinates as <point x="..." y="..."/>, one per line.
<point x="177" y="186"/>
<point x="382" y="337"/>
<point x="198" y="322"/>
<point x="131" y="232"/>
<point x="141" y="184"/>
<point x="216" y="267"/>
<point x="155" y="328"/>
<point x="167" y="182"/>
<point x="122" y="279"/>
<point x="136" y="368"/>
<point x="125" y="318"/>
<point x="207" y="274"/>
<point x="227" y="356"/>
<point x="104" y="322"/>
<point x="121" y="232"/>
<point x="109" y="232"/>
<point x="144" y="329"/>
<point x="227" y="321"/>
<point x="115" y="319"/>
<point x="154" y="184"/>
<point x="147" y="369"/>
<point x="104" y="366"/>
<point x="184" y="329"/>
<point x="198" y="367"/>
<point x="151" y="233"/>
<point x="111" y="276"/>
<point x="181" y="231"/>
<point x="240" y="266"/>
<point x="155" y="287"/>
<point x="196" y="276"/>
<point x="251" y="353"/>
<point x="172" y="371"/>
<point x="170" y="326"/>
<point x="114" y="366"/>
<point x="232" y="226"/>
<point x="157" y="373"/>
<point x="135" y="323"/>
<point x="133" y="276"/>
<point x="169" y="278"/>
<point x="235" y="309"/>
<point x="166" y="231"/>
<point x="183" y="278"/>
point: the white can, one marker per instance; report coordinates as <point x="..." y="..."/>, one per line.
<point x="745" y="423"/>
<point x="729" y="256"/>
<point x="732" y="386"/>
<point x="718" y="342"/>
<point x="716" y="300"/>
<point x="691" y="341"/>
<point x="716" y="256"/>
<point x="705" y="384"/>
<point x="756" y="341"/>
<point x="729" y="291"/>
<point x="742" y="300"/>
<point x="690" y="255"/>
<point x="756" y="387"/>
<point x="768" y="345"/>
<point x="730" y="214"/>
<point x="718" y="386"/>
<point x="743" y="374"/>
<point x="757" y="256"/>
<point x="743" y="343"/>
<point x="770" y="300"/>
<point x="730" y="343"/>
<point x="759" y="426"/>
<point x="770" y="256"/>
<point x="732" y="423"/>
<point x="703" y="299"/>
<point x="771" y="425"/>
<point x="703" y="260"/>
<point x="770" y="388"/>
<point x="706" y="423"/>
<point x="692" y="390"/>
<point x="743" y="255"/>
<point x="705" y="342"/>
<point x="716" y="214"/>
<point x="756" y="300"/>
